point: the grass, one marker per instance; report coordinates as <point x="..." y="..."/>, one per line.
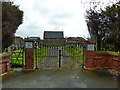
<point x="109" y="52"/>
<point x="5" y="54"/>
<point x="75" y="52"/>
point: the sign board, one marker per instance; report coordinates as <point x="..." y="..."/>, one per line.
<point x="90" y="47"/>
<point x="28" y="45"/>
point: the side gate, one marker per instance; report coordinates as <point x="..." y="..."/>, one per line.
<point x="17" y="58"/>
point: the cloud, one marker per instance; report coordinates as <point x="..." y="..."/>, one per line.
<point x="41" y="15"/>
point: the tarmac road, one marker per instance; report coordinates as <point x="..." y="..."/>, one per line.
<point x="61" y="79"/>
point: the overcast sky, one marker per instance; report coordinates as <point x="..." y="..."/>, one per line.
<point x="52" y="15"/>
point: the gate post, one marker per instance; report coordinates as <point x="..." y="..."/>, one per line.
<point x="89" y="55"/>
<point x="29" y="55"/>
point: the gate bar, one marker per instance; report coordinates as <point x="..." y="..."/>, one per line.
<point x="59" y="58"/>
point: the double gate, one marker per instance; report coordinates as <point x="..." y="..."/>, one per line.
<point x="66" y="56"/>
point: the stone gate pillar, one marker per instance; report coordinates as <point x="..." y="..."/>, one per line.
<point x="29" y="55"/>
<point x="89" y="55"/>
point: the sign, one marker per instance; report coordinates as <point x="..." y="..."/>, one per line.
<point x="90" y="47"/>
<point x="28" y="45"/>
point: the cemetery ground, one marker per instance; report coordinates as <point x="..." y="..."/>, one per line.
<point x="70" y="75"/>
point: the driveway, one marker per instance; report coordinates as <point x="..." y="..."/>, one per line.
<point x="65" y="78"/>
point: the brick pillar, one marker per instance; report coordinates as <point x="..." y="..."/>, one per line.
<point x="29" y="60"/>
<point x="29" y="55"/>
<point x="89" y="55"/>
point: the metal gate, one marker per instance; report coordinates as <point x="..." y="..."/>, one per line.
<point x="65" y="56"/>
<point x="75" y="52"/>
<point x="17" y="58"/>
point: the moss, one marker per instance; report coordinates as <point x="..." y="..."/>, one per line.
<point x="109" y="53"/>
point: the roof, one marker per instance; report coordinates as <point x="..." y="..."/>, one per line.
<point x="33" y="38"/>
<point x="53" y="35"/>
<point x="76" y="38"/>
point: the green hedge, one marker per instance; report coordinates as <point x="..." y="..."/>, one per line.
<point x="109" y="53"/>
<point x="5" y="54"/>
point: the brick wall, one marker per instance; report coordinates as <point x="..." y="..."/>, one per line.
<point x="4" y="65"/>
<point x="97" y="61"/>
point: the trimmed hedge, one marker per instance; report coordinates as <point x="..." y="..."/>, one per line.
<point x="5" y="54"/>
<point x="109" y="53"/>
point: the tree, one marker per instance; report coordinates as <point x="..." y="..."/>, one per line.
<point x="11" y="19"/>
<point x="93" y="24"/>
<point x="113" y="27"/>
<point x="104" y="26"/>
